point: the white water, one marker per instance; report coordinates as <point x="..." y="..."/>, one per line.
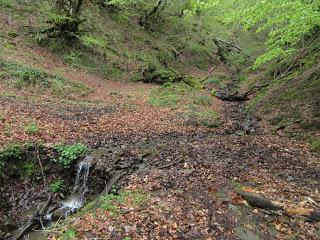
<point x="77" y="198"/>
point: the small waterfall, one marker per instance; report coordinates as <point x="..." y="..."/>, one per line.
<point x="77" y="198"/>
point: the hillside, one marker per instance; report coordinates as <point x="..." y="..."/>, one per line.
<point x="139" y="120"/>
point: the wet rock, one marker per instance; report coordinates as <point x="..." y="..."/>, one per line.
<point x="245" y="234"/>
<point x="258" y="200"/>
<point x="58" y="214"/>
<point x="8" y="227"/>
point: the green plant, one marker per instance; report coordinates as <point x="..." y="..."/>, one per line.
<point x="23" y="77"/>
<point x="198" y="117"/>
<point x="212" y="81"/>
<point x="287" y="22"/>
<point x="32" y="129"/>
<point x="8" y="131"/>
<point x="169" y="95"/>
<point x="28" y="169"/>
<point x="315" y="145"/>
<point x="69" y="234"/>
<point x="203" y="100"/>
<point x="69" y="153"/>
<point x="11" y="152"/>
<point x="112" y="202"/>
<point x="56" y="186"/>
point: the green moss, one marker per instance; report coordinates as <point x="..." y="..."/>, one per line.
<point x="193" y="82"/>
<point x="203" y="100"/>
<point x="69" y="234"/>
<point x="315" y="145"/>
<point x="9" y="154"/>
<point x="204" y="118"/>
<point x="28" y="169"/>
<point x="26" y="77"/>
<point x="32" y="129"/>
<point x="169" y="95"/>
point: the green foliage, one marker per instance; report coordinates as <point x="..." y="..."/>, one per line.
<point x="213" y="81"/>
<point x="203" y="100"/>
<point x="170" y="95"/>
<point x="315" y="145"/>
<point x="193" y="82"/>
<point x="287" y="22"/>
<point x="56" y="186"/>
<point x="24" y="77"/>
<point x="69" y="234"/>
<point x="69" y="153"/>
<point x="204" y="118"/>
<point x="32" y="129"/>
<point x="28" y="169"/>
<point x="93" y="41"/>
<point x="7" y="154"/>
<point x="112" y="203"/>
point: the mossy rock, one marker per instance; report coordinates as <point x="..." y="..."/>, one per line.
<point x="161" y="76"/>
<point x="193" y="82"/>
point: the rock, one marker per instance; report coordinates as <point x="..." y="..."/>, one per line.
<point x="258" y="200"/>
<point x="127" y="228"/>
<point x="314" y="216"/>
<point x="187" y="171"/>
<point x="58" y="214"/>
<point x="8" y="227"/>
<point x="240" y="133"/>
<point x="290" y="179"/>
<point x="245" y="234"/>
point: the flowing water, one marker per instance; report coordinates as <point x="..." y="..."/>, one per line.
<point x="77" y="197"/>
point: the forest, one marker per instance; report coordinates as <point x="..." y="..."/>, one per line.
<point x="160" y="119"/>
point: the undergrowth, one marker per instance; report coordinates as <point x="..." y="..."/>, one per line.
<point x="193" y="104"/>
<point x="110" y="204"/>
<point x="23" y="77"/>
<point x="67" y="154"/>
<point x="315" y="145"/>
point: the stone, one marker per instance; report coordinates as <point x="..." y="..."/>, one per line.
<point x="245" y="234"/>
<point x="290" y="179"/>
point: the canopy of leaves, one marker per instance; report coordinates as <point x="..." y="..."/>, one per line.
<point x="286" y="22"/>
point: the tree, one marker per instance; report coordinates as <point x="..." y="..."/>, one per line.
<point x="65" y="18"/>
<point x="286" y="22"/>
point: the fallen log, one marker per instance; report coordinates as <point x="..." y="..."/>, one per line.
<point x="258" y="200"/>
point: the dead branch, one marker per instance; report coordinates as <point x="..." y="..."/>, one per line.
<point x="35" y="218"/>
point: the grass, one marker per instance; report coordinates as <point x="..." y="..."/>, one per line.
<point x="110" y="203"/>
<point x="171" y="95"/>
<point x="23" y="77"/>
<point x="32" y="128"/>
<point x="194" y="104"/>
<point x="315" y="145"/>
<point x="198" y="117"/>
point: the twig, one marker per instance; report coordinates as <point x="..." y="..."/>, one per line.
<point x="41" y="167"/>
<point x="171" y="164"/>
<point x="33" y="220"/>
